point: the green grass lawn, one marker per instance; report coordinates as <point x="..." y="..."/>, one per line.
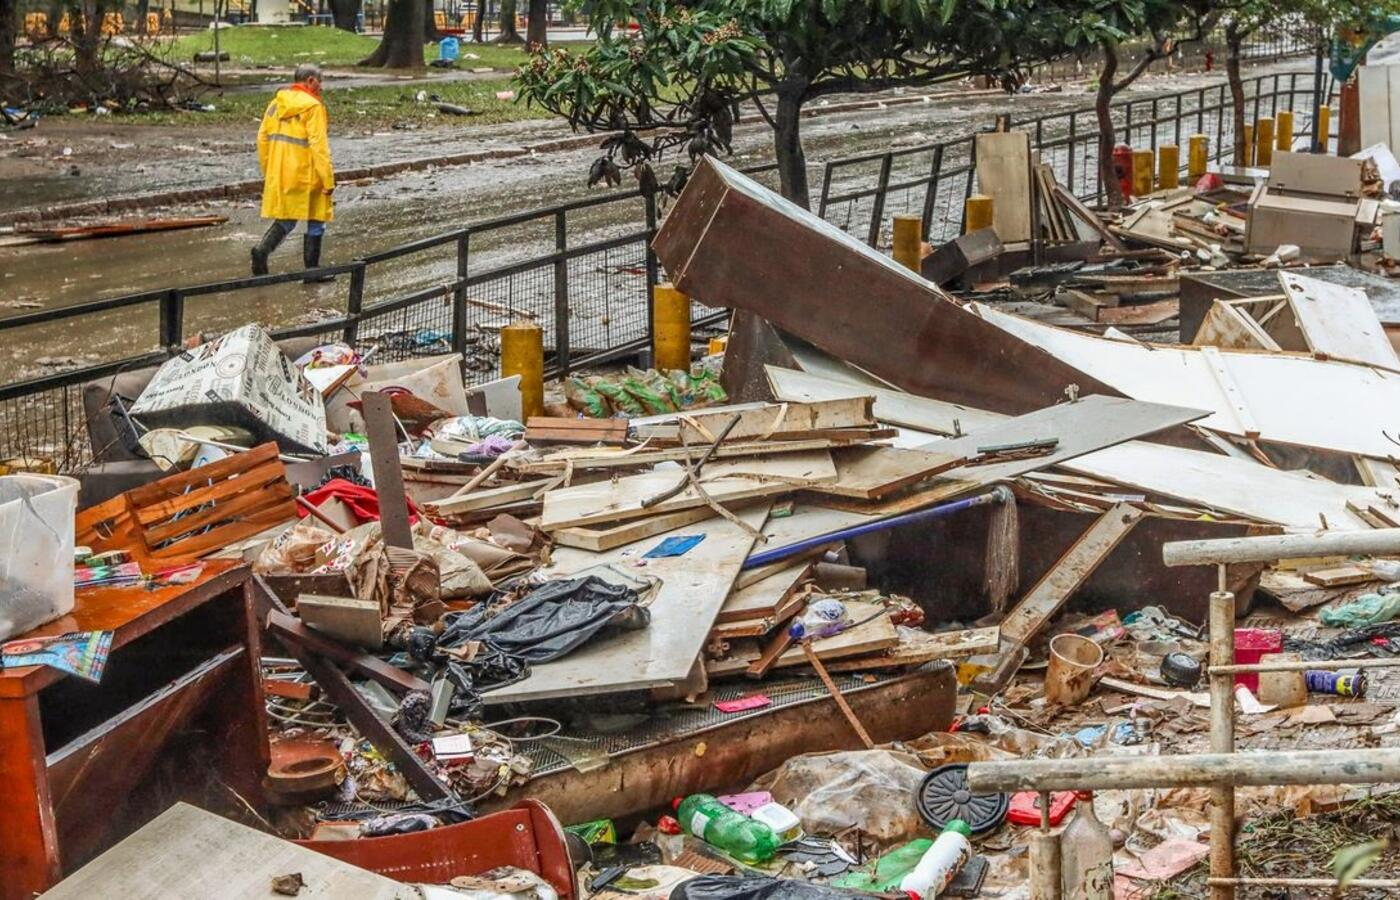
<point x="286" y="46"/>
<point x="375" y="106"/>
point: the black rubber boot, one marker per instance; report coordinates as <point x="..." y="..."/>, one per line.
<point x="270" y="241"/>
<point x="311" y="257"/>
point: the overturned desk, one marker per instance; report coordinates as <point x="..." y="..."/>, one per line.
<point x="178" y="715"/>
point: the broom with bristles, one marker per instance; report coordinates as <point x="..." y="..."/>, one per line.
<point x="1003" y="566"/>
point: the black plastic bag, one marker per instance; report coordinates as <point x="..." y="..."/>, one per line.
<point x="744" y="887"/>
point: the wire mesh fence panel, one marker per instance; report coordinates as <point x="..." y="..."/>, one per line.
<point x="609" y="301"/>
<point x="423" y="328"/>
<point x="45" y="429"/>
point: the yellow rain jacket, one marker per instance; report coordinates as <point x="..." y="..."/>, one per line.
<point x="295" y="157"/>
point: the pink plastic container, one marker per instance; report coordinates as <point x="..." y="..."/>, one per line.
<point x="1250" y="645"/>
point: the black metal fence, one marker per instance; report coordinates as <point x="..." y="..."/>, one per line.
<point x="583" y="270"/>
<point x="861" y="194"/>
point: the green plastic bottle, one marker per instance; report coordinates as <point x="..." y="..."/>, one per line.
<point x="733" y="832"/>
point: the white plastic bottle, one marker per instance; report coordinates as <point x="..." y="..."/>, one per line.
<point x="941" y="862"/>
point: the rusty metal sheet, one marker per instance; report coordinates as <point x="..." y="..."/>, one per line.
<point x="730" y="242"/>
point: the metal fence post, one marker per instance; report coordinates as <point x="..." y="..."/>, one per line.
<point x="1069" y="173"/>
<point x="561" y="293"/>
<point x="459" y="300"/>
<point x="826" y="191"/>
<point x="931" y="196"/>
<point x="877" y="211"/>
<point x="653" y="266"/>
<point x="172" y="318"/>
<point x="355" y="303"/>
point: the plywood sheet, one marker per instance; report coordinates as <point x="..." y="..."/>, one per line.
<point x="872" y="472"/>
<point x="693" y="588"/>
<point x="1289" y="398"/>
<point x="1374" y="96"/>
<point x="763" y="597"/>
<point x="1004" y="174"/>
<point x="869" y="637"/>
<point x="725" y="482"/>
<point x="187" y="852"/>
<point x="777" y="419"/>
<point x="1338" y="321"/>
<point x="892" y="406"/>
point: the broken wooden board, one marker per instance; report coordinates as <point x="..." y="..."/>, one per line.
<point x="952" y="259"/>
<point x="1288" y="398"/>
<point x="726" y="482"/>
<point x="693" y="587"/>
<point x="728" y="241"/>
<point x="765" y="597"/>
<point x="548" y="429"/>
<point x="1226" y="325"/>
<point x="349" y="619"/>
<point x="868" y="473"/>
<point x="917" y="647"/>
<point x="893" y="406"/>
<point x="1068" y="574"/>
<point x="188" y="852"/>
<point x="1003" y="164"/>
<point x="1141" y="313"/>
<point x="1338" y="321"/>
<point x="599" y="539"/>
<point x="778" y="421"/>
<point x="488" y="498"/>
<point x="871" y="636"/>
<point x="609" y="458"/>
<point x="1086" y="215"/>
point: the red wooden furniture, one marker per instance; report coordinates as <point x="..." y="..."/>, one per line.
<point x="526" y="836"/>
<point x="178" y="715"/>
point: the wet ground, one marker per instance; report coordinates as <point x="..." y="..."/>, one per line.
<point x="369" y="217"/>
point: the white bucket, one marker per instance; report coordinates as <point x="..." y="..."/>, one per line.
<point x="36" y="550"/>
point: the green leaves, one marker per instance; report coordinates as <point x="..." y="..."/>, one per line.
<point x="1350" y="863"/>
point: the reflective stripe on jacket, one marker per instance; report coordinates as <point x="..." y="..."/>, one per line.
<point x="295" y="157"/>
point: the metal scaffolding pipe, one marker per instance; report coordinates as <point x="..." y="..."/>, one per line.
<point x="1201" y="770"/>
<point x="1267" y="548"/>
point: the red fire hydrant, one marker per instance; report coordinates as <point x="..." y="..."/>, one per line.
<point x="1123" y="168"/>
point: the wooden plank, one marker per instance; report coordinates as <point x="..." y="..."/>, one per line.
<point x="188" y="852"/>
<point x="1338" y="321"/>
<point x="1141" y="313"/>
<point x="181" y="482"/>
<point x="600" y="539"/>
<point x="350" y="619"/>
<point x="895" y="406"/>
<point x="618" y="459"/>
<point x="917" y="647"/>
<point x="780" y="420"/>
<point x="279" y="494"/>
<point x="873" y="636"/>
<point x="388" y="477"/>
<point x="1085" y="304"/>
<point x="1003" y="162"/>
<point x="726" y="482"/>
<point x="693" y="588"/>
<point x="1339" y="577"/>
<point x="1068" y="574"/>
<point x="246" y="526"/>
<point x="868" y="473"/>
<point x="491" y="497"/>
<point x="1226" y="325"/>
<point x="764" y="597"/>
<point x="542" y="429"/>
<point x="1373" y="94"/>
<point x="1076" y="206"/>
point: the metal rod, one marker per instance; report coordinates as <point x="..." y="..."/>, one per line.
<point x="1267" y="548"/>
<point x="1369" y="766"/>
<point x="996" y="495"/>
<point x="1222" y="740"/>
<point x="1308" y="882"/>
<point x="1305" y="665"/>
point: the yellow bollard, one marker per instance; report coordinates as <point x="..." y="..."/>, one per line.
<point x="1197" y="157"/>
<point x="1264" y="142"/>
<point x="1324" y="129"/>
<point x="1142" y="173"/>
<point x="908" y="241"/>
<point x="1285" y="129"/>
<point x="1248" y="147"/>
<point x="1168" y="167"/>
<point x="670" y="329"/>
<point x="522" y="353"/>
<point x="978" y="212"/>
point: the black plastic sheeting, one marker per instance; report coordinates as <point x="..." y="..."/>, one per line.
<point x="742" y="887"/>
<point x="550" y="621"/>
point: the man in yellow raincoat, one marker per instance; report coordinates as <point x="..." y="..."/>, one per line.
<point x="295" y="156"/>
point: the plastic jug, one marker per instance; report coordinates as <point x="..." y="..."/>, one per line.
<point x="36" y="567"/>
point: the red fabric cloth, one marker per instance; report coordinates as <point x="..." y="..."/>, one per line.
<point x="363" y="501"/>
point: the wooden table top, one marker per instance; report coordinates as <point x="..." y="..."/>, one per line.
<point x="128" y="610"/>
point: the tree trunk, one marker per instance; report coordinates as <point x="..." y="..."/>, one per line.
<point x="479" y="23"/>
<point x="9" y="24"/>
<point x="87" y="41"/>
<point x="1103" y="111"/>
<point x="402" y="44"/>
<point x="509" y="33"/>
<point x="787" y="144"/>
<point x="431" y="33"/>
<point x="537" y="24"/>
<point x="1234" y="43"/>
<point x="142" y="8"/>
<point x="345" y="14"/>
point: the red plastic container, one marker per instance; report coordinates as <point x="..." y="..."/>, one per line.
<point x="1250" y="645"/>
<point x="1025" y="807"/>
<point x="1123" y="168"/>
